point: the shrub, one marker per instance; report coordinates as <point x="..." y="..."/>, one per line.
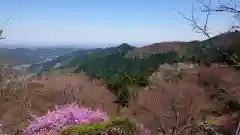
<point x="62" y="116"/>
<point x="114" y="127"/>
<point x="70" y="119"/>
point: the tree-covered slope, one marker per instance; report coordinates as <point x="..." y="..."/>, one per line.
<point x="61" y="61"/>
<point x="119" y="72"/>
<point x="98" y="53"/>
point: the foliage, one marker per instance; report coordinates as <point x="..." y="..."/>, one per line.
<point x="119" y="72"/>
<point x="71" y="119"/>
<point x="89" y="55"/>
<point x="116" y="127"/>
<point x="202" y="52"/>
<point x="83" y="129"/>
<point x="190" y="51"/>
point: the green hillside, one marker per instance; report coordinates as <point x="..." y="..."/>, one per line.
<point x="96" y="54"/>
<point x="119" y="72"/>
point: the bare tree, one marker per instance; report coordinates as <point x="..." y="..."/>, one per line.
<point x="1" y="30"/>
<point x="178" y="114"/>
<point x="14" y="103"/>
<point x="175" y="121"/>
<point x="205" y="7"/>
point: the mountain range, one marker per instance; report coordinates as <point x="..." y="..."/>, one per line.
<point x="16" y="56"/>
<point x="185" y="50"/>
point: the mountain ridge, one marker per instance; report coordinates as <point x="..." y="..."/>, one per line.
<point x="186" y="50"/>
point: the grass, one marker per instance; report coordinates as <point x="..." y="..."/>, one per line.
<point x="84" y="129"/>
<point x="125" y="126"/>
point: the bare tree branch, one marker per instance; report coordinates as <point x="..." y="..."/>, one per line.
<point x="159" y="119"/>
<point x="204" y="29"/>
<point x="1" y="33"/>
<point x="1" y="30"/>
<point x="176" y="115"/>
<point x="224" y="8"/>
<point x="196" y="27"/>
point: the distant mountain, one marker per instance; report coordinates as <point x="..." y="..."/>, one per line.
<point x="18" y="56"/>
<point x="226" y="39"/>
<point x="227" y="42"/>
<point x="98" y="53"/>
<point x="79" y="57"/>
<point x="187" y="51"/>
<point x="54" y="63"/>
<point x="155" y="49"/>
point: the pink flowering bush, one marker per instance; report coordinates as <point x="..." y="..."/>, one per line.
<point x="66" y="115"/>
<point x="70" y="119"/>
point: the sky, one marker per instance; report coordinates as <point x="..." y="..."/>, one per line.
<point x="100" y="22"/>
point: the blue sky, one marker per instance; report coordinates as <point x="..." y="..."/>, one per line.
<point x="99" y="22"/>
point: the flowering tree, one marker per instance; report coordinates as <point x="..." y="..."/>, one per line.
<point x="72" y="119"/>
<point x="62" y="116"/>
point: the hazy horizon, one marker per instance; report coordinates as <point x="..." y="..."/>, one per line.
<point x="100" y="23"/>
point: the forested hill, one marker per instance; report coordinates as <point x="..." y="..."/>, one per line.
<point x="78" y="57"/>
<point x="98" y="53"/>
<point x="193" y="51"/>
<point x="117" y="71"/>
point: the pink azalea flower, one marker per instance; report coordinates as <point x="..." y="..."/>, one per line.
<point x="62" y="116"/>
